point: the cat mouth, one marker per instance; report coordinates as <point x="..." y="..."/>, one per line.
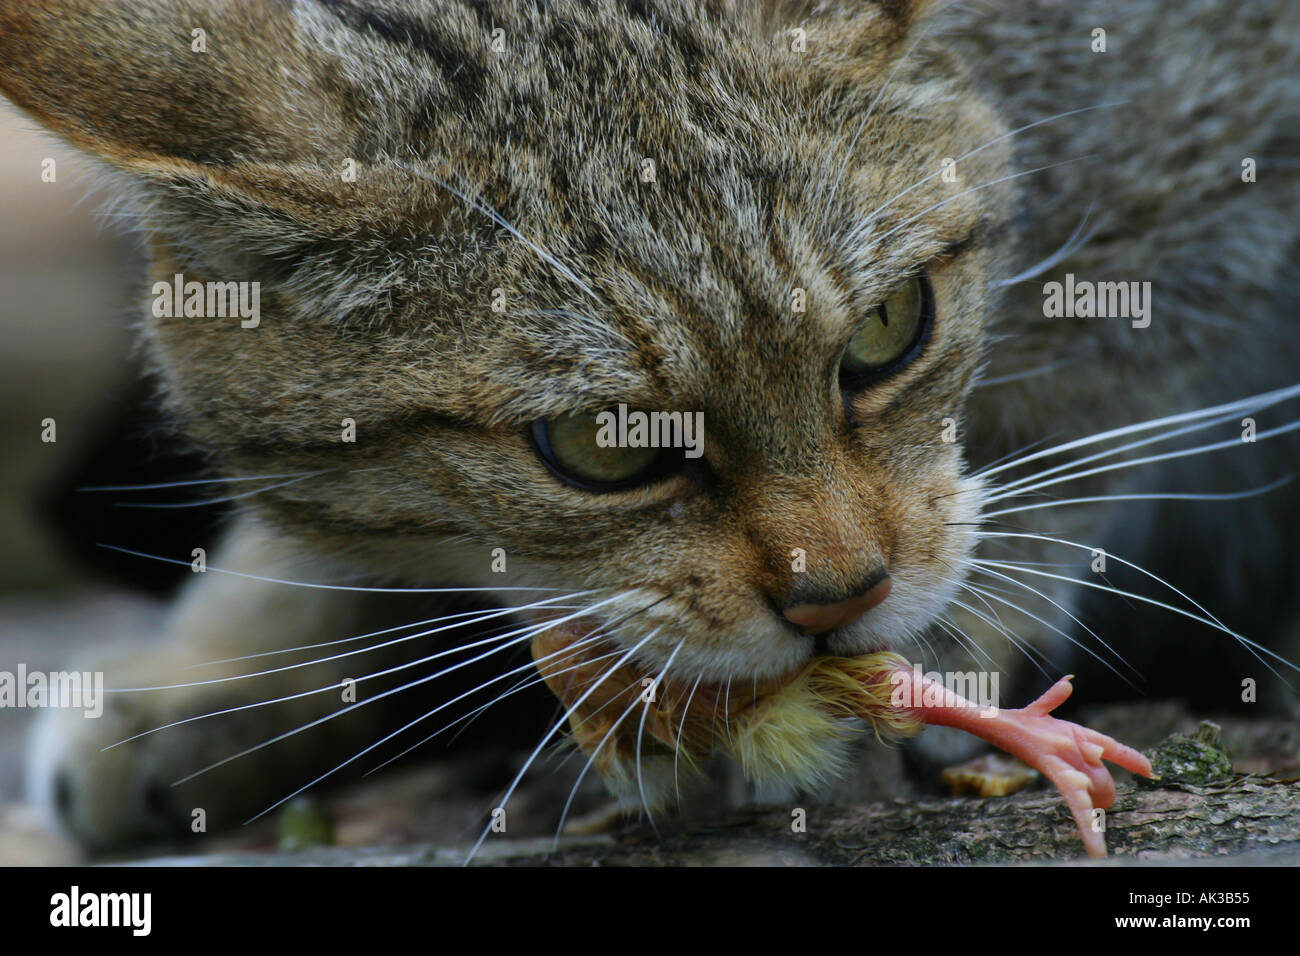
<point x="614" y="703"/>
<point x="789" y="729"/>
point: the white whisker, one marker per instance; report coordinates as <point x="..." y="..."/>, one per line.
<point x="1071" y="246"/>
<point x="1210" y="620"/>
<point x="967" y="643"/>
<point x="1154" y="496"/>
<point x="205" y="502"/>
<point x="474" y="617"/>
<point x="555" y="729"/>
<point x="640" y="731"/>
<point x="509" y="640"/>
<point x="681" y="727"/>
<point x="1253" y="403"/>
<point x="569" y="651"/>
<point x="1033" y="654"/>
<point x="325" y="587"/>
<point x="1151" y="459"/>
<point x="484" y="616"/>
<point x="1077" y="643"/>
<point x="879" y="240"/>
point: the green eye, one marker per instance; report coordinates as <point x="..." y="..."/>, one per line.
<point x="889" y="337"/>
<point x="569" y="445"/>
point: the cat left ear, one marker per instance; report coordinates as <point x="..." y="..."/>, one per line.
<point x="165" y="86"/>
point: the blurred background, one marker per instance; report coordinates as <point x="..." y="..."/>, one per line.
<point x="68" y="281"/>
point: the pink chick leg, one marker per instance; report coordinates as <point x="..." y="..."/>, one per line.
<point x="1067" y="754"/>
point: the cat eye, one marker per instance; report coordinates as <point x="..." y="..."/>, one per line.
<point x="569" y="447"/>
<point x="891" y="337"/>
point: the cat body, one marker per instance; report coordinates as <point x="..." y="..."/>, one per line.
<point x="468" y="218"/>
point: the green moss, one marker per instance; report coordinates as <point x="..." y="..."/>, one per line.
<point x="305" y="823"/>
<point x="1198" y="760"/>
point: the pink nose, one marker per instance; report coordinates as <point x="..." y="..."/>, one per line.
<point x="818" y="618"/>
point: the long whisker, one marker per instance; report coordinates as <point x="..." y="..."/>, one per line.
<point x="591" y="760"/>
<point x="356" y="756"/>
<point x="206" y="502"/>
<point x="640" y="731"/>
<point x="1020" y="376"/>
<point x="158" y="486"/>
<point x="484" y="616"/>
<point x="591" y="757"/>
<point x="327" y="688"/>
<point x="555" y="729"/>
<point x="681" y="727"/>
<point x="1253" y="403"/>
<point x="1005" y="489"/>
<point x="1033" y="654"/>
<point x="519" y="687"/>
<point x="1014" y="606"/>
<point x="1154" y="496"/>
<point x="966" y="642"/>
<point x="1071" y="246"/>
<point x="572" y="650"/>
<point x="324" y="587"/>
<point x="1246" y="642"/>
<point x="1151" y="459"/>
<point x="1033" y="590"/>
<point x="879" y="240"/>
<point x="515" y="637"/>
<point x="474" y="617"/>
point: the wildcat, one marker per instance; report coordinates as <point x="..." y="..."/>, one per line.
<point x="825" y="226"/>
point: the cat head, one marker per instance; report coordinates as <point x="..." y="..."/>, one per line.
<point x="474" y="226"/>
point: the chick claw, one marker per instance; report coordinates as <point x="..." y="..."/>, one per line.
<point x="1067" y="754"/>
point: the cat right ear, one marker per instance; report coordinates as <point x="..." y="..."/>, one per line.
<point x="238" y="107"/>
<point x="860" y="26"/>
<point x="165" y="86"/>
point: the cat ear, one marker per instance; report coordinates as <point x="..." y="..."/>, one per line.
<point x="238" y="107"/>
<point x="159" y="86"/>
<point x="895" y="16"/>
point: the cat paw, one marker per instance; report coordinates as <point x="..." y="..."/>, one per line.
<point x="103" y="796"/>
<point x="120" y="778"/>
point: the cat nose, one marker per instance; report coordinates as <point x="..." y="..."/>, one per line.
<point x="816" y="617"/>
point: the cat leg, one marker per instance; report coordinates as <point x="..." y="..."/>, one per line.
<point x="107" y="792"/>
